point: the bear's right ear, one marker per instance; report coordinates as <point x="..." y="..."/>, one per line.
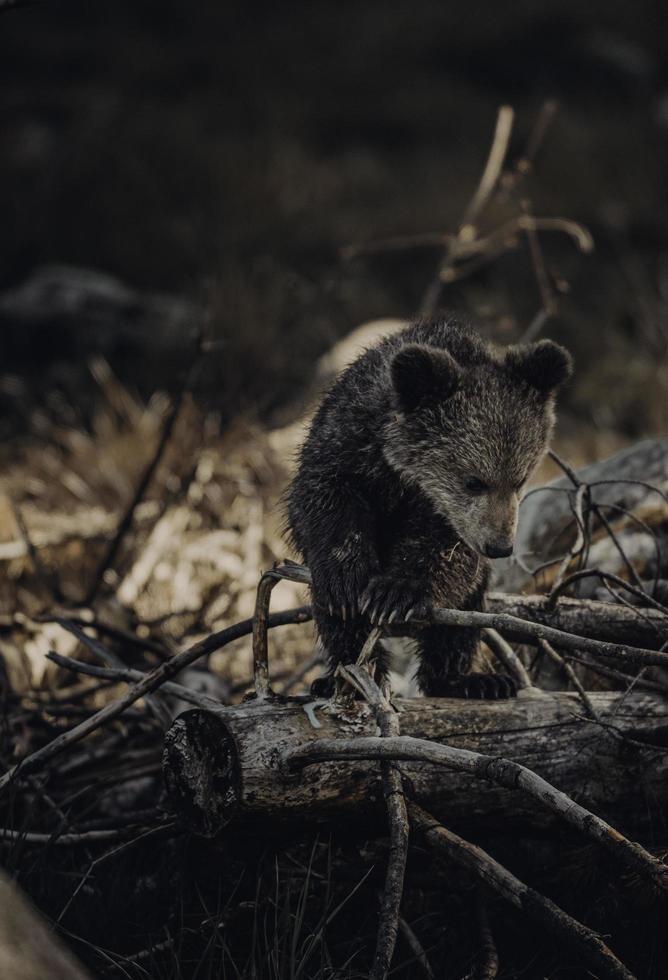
<point x="423" y="374"/>
<point x="544" y="365"/>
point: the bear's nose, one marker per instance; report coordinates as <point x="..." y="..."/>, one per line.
<point x="498" y="551"/>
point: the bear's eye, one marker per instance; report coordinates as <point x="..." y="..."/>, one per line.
<point x="476" y="486"/>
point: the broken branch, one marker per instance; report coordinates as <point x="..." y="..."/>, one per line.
<point x="590" y="946"/>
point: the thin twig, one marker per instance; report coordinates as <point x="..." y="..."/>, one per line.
<point x="644" y="526"/>
<point x="465" y="252"/>
<point x="493" y="167"/>
<point x="471" y="254"/>
<point x="566" y="467"/>
<point x="580" y="540"/>
<point x="416" y="948"/>
<point x="560" y="584"/>
<point x="618" y="675"/>
<point x="388" y="723"/>
<point x="556" y="658"/>
<point x="503" y="650"/>
<point x="292" y="572"/>
<point x="640" y="613"/>
<point x="504" y="772"/>
<point x="47" y="580"/>
<point x="467" y="232"/>
<point x="505" y="623"/>
<point x="610" y="577"/>
<point x="130" y="676"/>
<point x="548" y="110"/>
<point x="531" y="332"/>
<point x="577" y="232"/>
<point x="487" y="967"/>
<point x="590" y="947"/>
<point x="631" y="483"/>
<point x="86" y="837"/>
<point x="125" y="523"/>
<point x="109" y="658"/>
<point x="545" y="290"/>
<point x="107" y="629"/>
<point x="150" y="832"/>
<point x="149" y="683"/>
<point x="620" y="551"/>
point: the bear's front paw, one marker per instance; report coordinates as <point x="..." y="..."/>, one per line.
<point x="482" y="687"/>
<point x="337" y="587"/>
<point x="387" y="599"/>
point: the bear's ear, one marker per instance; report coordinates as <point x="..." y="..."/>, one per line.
<point x="544" y="365"/>
<point x="422" y="374"/>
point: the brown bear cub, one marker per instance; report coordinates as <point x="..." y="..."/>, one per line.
<point x="409" y="482"/>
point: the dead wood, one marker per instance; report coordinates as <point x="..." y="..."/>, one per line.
<point x="597" y="620"/>
<point x="231" y="763"/>
<point x="497" y="769"/>
<point x="629" y="486"/>
<point x="505" y="653"/>
<point x="388" y="725"/>
<point x="590" y="947"/>
<point x="148" y="683"/>
<point x="112" y="549"/>
<point x="538" y="610"/>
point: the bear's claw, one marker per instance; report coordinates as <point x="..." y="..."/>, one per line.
<point x="393" y="599"/>
<point x="336" y="587"/>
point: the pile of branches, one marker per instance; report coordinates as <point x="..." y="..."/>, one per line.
<point x="175" y="812"/>
<point x="224" y="762"/>
<point x="105" y="783"/>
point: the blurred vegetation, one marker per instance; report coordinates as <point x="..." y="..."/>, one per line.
<point x="227" y="152"/>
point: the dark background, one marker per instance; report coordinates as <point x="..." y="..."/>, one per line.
<point x="226" y="152"/>
<point x="214" y="159"/>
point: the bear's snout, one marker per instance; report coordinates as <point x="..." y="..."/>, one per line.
<point x="498" y="550"/>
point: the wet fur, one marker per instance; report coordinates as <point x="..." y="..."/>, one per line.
<point x="379" y="508"/>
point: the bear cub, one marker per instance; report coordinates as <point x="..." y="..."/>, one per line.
<point x="409" y="482"/>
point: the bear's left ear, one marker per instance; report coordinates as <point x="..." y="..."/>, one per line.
<point x="544" y="365"/>
<point x="422" y="374"/>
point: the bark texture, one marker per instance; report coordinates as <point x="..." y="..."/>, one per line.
<point x="605" y="621"/>
<point x="229" y="764"/>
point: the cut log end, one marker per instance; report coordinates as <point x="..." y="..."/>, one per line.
<point x="202" y="771"/>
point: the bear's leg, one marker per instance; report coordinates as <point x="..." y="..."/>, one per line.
<point x="343" y="641"/>
<point x="445" y="659"/>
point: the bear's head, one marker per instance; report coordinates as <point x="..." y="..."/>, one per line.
<point x="470" y="435"/>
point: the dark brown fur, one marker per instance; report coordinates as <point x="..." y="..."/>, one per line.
<point x="409" y="477"/>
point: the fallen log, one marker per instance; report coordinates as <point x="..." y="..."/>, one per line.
<point x="231" y="764"/>
<point x="586" y="617"/>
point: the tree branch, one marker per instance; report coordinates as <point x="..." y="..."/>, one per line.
<point x="388" y="723"/>
<point x="149" y="683"/>
<point x="592" y="949"/>
<point x="504" y="772"/>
